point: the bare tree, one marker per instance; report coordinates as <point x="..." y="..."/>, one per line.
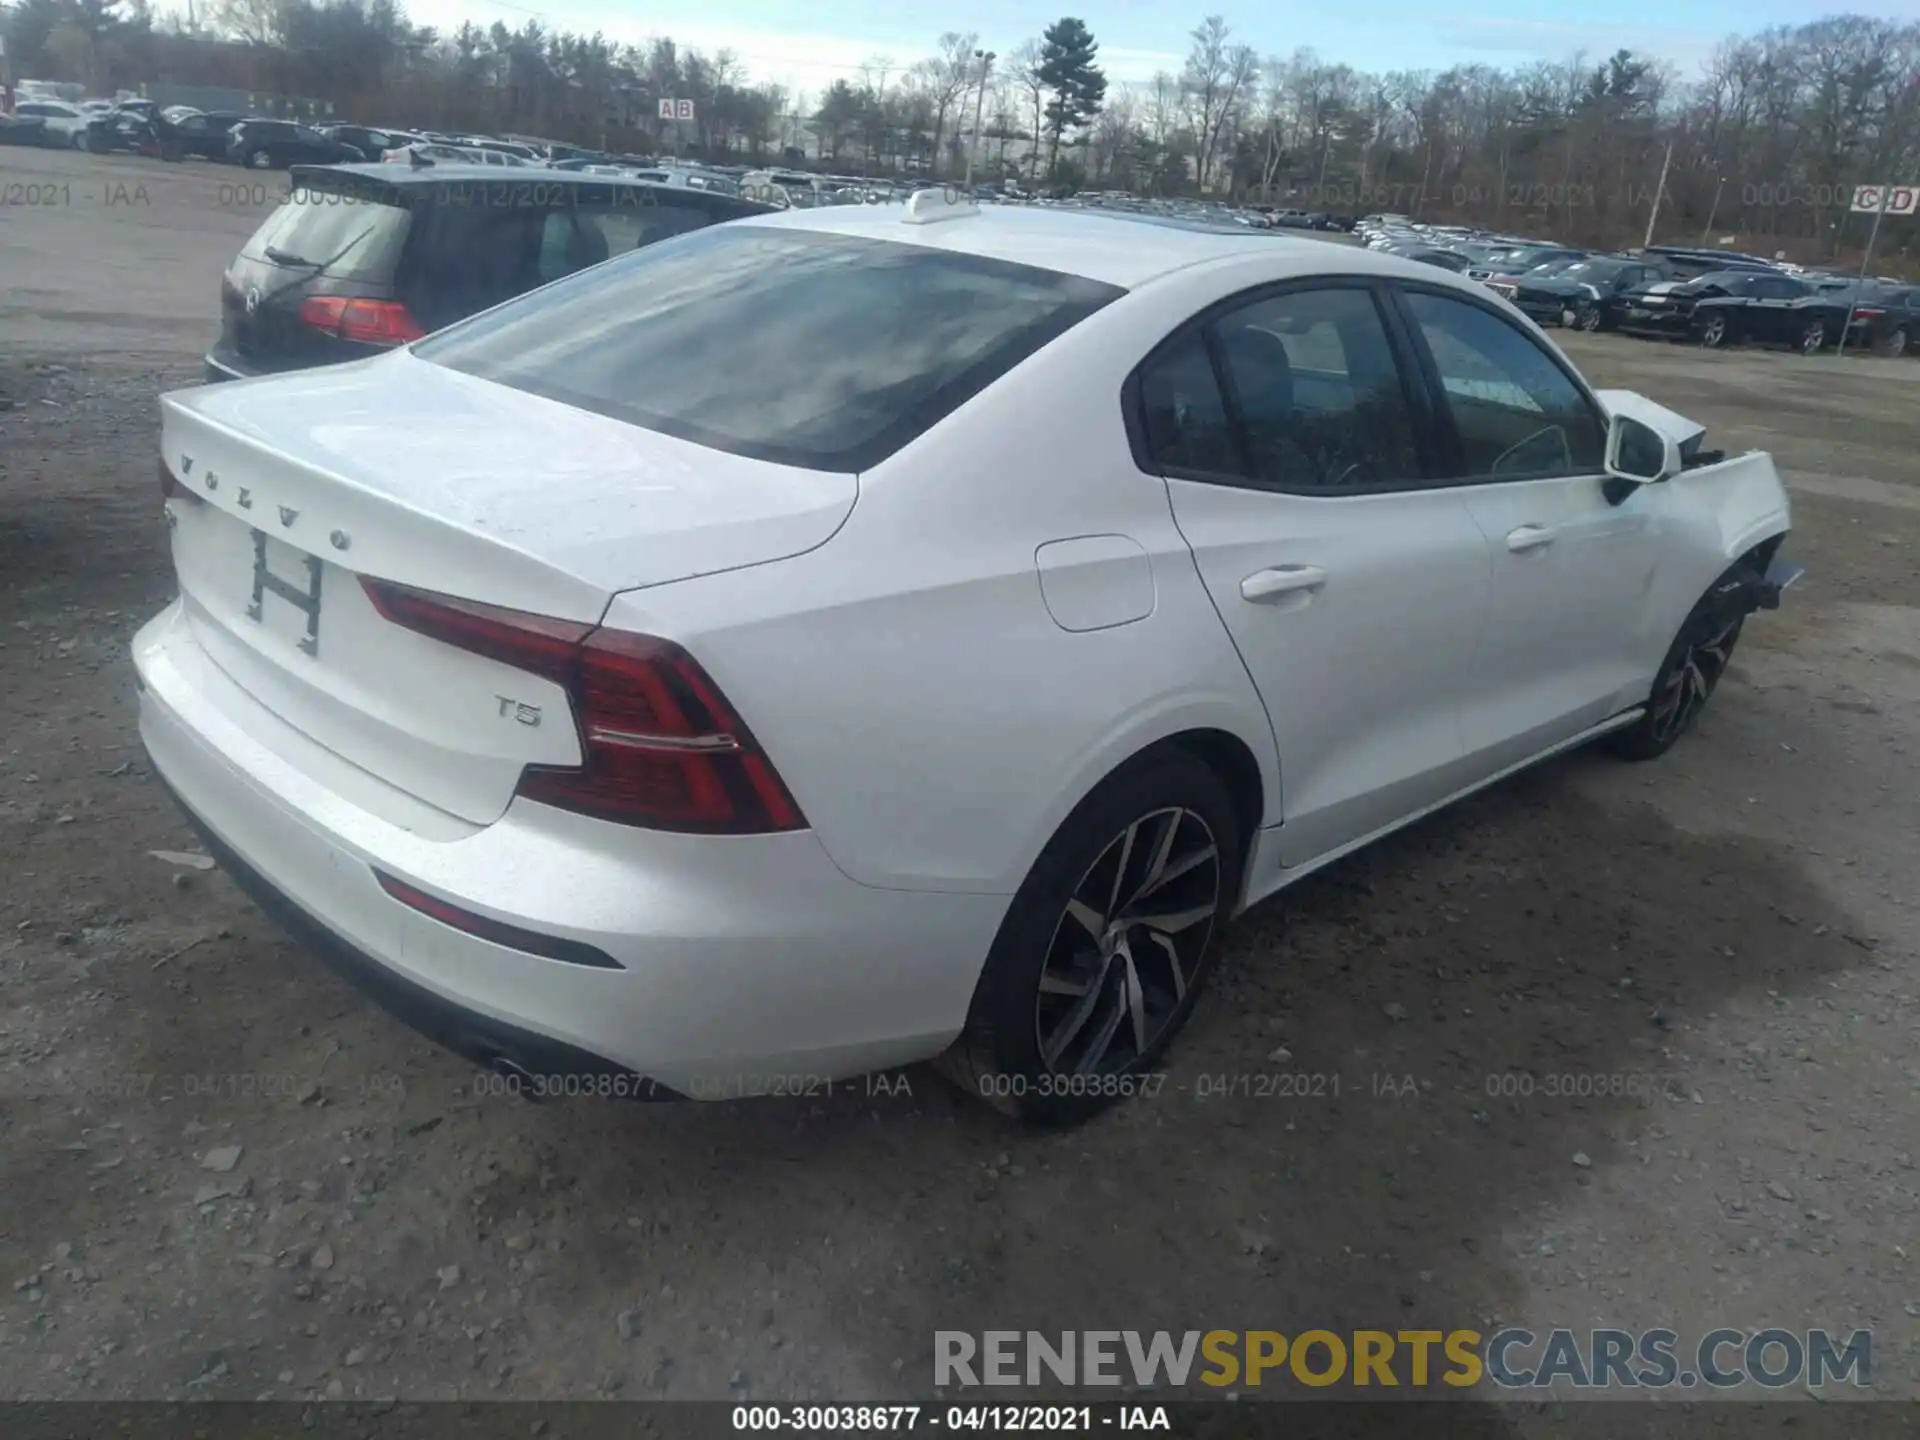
<point x="1023" y="70"/>
<point x="944" y="76"/>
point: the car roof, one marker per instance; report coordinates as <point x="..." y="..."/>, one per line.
<point x="1113" y="247"/>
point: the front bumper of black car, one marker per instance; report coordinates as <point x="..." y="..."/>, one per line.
<point x="1641" y="320"/>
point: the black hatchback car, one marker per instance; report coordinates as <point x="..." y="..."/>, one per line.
<point x="282" y="144"/>
<point x="365" y="257"/>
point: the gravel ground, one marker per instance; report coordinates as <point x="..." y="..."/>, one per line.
<point x="226" y="1176"/>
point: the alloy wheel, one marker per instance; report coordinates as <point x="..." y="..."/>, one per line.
<point x="1714" y="332"/>
<point x="1687" y="684"/>
<point x="1814" y="339"/>
<point x="1590" y="318"/>
<point x="1129" y="944"/>
<point x="1897" y="343"/>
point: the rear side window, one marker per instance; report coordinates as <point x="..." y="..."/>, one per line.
<point x="1184" y="416"/>
<point x="822" y="351"/>
<point x="584" y="235"/>
<point x="338" y="233"/>
<point x="1319" y="391"/>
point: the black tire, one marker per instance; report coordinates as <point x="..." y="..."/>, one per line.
<point x="1141" y="987"/>
<point x="1813" y="337"/>
<point x="1589" y="319"/>
<point x="1715" y="332"/>
<point x="1685" y="682"/>
<point x="1893" y="344"/>
<point x="261" y="159"/>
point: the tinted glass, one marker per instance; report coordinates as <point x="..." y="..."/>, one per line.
<point x="347" y="236"/>
<point x="1184" y="415"/>
<point x="828" y="352"/>
<point x="584" y="235"/>
<point x="1319" y="393"/>
<point x="1516" y="412"/>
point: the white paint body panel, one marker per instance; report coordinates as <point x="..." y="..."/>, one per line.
<point x="941" y="657"/>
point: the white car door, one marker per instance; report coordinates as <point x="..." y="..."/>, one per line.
<point x="1572" y="572"/>
<point x="1352" y="589"/>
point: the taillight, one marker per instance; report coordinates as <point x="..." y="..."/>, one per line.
<point x="369" y="322"/>
<point x="663" y="747"/>
<point x="1867" y="312"/>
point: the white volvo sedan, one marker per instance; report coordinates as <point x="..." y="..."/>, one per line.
<point x="829" y="641"/>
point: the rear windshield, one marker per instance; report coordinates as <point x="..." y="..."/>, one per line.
<point x="827" y="352"/>
<point x="349" y="235"/>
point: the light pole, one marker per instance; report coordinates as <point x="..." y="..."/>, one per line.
<point x="986" y="58"/>
<point x="1713" y="210"/>
<point x="1659" y="193"/>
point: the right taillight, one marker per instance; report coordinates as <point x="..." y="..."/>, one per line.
<point x="366" y="322"/>
<point x="662" y="747"/>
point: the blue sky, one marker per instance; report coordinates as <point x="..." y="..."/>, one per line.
<point x="809" y="46"/>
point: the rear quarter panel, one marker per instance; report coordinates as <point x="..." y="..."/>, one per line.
<point x="933" y="721"/>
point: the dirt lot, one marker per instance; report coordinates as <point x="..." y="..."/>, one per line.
<point x="1736" y="921"/>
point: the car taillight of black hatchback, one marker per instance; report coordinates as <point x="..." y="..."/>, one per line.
<point x="663" y="749"/>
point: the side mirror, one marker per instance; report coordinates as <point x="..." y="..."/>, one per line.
<point x="1637" y="454"/>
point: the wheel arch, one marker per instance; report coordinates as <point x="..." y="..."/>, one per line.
<point x="1226" y="752"/>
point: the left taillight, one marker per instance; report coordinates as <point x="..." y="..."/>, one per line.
<point x="662" y="747"/>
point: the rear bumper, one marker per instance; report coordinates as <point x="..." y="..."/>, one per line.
<point x="747" y="964"/>
<point x="222" y="364"/>
<point x="545" y="1063"/>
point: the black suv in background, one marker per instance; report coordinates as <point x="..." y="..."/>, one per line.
<point x="205" y="134"/>
<point x="365" y="257"/>
<point x="370" y="142"/>
<point x="280" y="144"/>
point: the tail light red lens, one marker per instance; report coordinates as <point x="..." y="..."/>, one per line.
<point x="663" y="748"/>
<point x="1867" y="312"/>
<point x="367" y="322"/>
<point x="553" y="947"/>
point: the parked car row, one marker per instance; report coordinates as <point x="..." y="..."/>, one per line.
<point x="1712" y="297"/>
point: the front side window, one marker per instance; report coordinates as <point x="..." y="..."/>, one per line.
<point x="698" y="336"/>
<point x="1517" y="414"/>
<point x="1319" y="393"/>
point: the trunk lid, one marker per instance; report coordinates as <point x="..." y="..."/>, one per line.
<point x="400" y="470"/>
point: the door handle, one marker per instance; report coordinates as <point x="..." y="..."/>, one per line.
<point x="1281" y="580"/>
<point x="1528" y="537"/>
